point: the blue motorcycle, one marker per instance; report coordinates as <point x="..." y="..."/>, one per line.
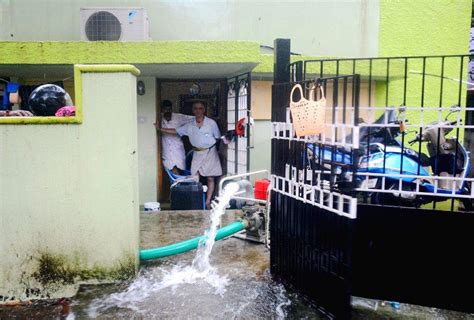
<point x="399" y="175"/>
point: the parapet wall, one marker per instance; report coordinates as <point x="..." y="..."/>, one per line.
<point x="69" y="192"/>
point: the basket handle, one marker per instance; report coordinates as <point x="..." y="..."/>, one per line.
<point x="298" y="86"/>
<point x="312" y="95"/>
<point x="322" y="92"/>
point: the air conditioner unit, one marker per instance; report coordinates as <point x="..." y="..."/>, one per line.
<point x="114" y="24"/>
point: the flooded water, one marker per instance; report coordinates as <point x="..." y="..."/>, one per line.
<point x="189" y="287"/>
<point x="244" y="287"/>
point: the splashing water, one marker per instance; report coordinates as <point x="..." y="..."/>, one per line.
<point x="159" y="279"/>
<point x="201" y="262"/>
<point x="280" y="309"/>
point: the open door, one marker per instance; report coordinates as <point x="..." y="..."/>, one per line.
<point x="182" y="93"/>
<point x="238" y="107"/>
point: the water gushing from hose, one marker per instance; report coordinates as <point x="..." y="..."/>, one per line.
<point x="157" y="280"/>
<point x="201" y="261"/>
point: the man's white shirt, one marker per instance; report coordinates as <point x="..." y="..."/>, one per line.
<point x="173" y="153"/>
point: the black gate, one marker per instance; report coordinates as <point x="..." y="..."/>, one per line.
<point x="313" y="207"/>
<point x="337" y="227"/>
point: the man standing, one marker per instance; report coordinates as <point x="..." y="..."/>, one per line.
<point x="173" y="153"/>
<point x="203" y="134"/>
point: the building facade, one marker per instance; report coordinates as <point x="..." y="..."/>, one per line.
<point x="207" y="43"/>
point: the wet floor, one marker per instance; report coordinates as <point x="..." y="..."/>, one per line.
<point x="241" y="288"/>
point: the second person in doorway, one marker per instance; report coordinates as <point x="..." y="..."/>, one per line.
<point x="173" y="153"/>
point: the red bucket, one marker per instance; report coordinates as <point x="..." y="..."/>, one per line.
<point x="261" y="187"/>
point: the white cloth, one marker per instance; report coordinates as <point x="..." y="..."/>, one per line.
<point x="205" y="162"/>
<point x="172" y="152"/>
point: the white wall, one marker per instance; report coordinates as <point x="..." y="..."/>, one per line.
<point x="260" y="154"/>
<point x="70" y="191"/>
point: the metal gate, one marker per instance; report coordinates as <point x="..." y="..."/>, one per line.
<point x="238" y="107"/>
<point x="326" y="243"/>
<point x="313" y="208"/>
<point x="415" y="192"/>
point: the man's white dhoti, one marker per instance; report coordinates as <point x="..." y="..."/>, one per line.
<point x="206" y="163"/>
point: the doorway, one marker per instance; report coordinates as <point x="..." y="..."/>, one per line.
<point x="182" y="93"/>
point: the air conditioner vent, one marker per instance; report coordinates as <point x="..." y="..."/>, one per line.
<point x="103" y="26"/>
<point x="114" y="24"/>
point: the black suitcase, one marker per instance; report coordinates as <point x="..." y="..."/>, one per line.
<point x="187" y="195"/>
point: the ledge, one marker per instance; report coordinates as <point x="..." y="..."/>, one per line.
<point x="107" y="68"/>
<point x="138" y="52"/>
<point x="77" y="119"/>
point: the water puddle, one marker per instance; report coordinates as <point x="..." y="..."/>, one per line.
<point x="186" y="285"/>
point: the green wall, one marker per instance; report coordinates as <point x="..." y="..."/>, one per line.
<point x="424" y="27"/>
<point x="164" y="52"/>
<point x="69" y="198"/>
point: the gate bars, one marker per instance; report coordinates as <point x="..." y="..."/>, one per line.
<point x="312" y="172"/>
<point x="316" y="180"/>
<point x="422" y="91"/>
<point x="313" y="207"/>
<point x="238" y="107"/>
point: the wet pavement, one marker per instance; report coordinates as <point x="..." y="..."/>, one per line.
<point x="246" y="289"/>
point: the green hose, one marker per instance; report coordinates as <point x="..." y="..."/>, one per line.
<point x="180" y="247"/>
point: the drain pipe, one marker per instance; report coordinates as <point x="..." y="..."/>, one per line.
<point x="191" y="244"/>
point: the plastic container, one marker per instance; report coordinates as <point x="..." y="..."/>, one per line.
<point x="261" y="187"/>
<point x="151" y="206"/>
<point x="187" y="195"/>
